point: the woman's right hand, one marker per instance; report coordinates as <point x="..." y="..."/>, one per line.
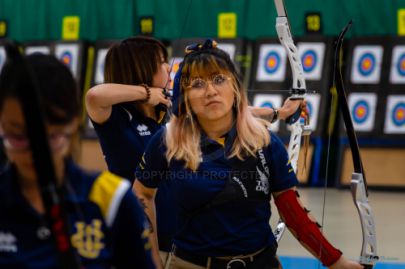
<point x="157" y="96"/>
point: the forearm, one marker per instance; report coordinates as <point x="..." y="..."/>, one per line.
<point x="305" y="228"/>
<point x="267" y="113"/>
<point x="283" y="113"/>
<point x="262" y="112"/>
<point x="149" y="208"/>
<point x="108" y="94"/>
<point x="147" y="200"/>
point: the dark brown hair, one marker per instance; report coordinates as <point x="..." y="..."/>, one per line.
<point x="134" y="61"/>
<point x="56" y="85"/>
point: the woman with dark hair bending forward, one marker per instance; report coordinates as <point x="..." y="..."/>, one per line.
<point x="107" y="225"/>
<point x="224" y="164"/>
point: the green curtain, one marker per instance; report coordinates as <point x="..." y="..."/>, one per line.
<point x="106" y="19"/>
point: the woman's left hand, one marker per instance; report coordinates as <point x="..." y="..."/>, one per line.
<point x="344" y="263"/>
<point x="290" y="107"/>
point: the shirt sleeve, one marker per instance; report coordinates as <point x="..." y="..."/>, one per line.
<point x="131" y="246"/>
<point x="118" y="143"/>
<point x="153" y="166"/>
<point x="116" y="119"/>
<point x="282" y="174"/>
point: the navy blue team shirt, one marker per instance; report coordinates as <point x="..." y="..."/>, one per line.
<point x="123" y="139"/>
<point x="233" y="228"/>
<point x="107" y="224"/>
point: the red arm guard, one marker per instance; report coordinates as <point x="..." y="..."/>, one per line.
<point x="304" y="229"/>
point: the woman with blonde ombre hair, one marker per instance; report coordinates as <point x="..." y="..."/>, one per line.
<point x="183" y="136"/>
<point x="224" y="164"/>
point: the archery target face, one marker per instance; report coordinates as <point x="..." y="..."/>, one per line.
<point x="312" y="55"/>
<point x="69" y="55"/>
<point x="362" y="107"/>
<point x="228" y="48"/>
<point x="100" y="63"/>
<point x="395" y="115"/>
<point x="397" y="70"/>
<point x="313" y="102"/>
<point x="2" y="57"/>
<point x="66" y="58"/>
<point x="366" y="66"/>
<point x="272" y="101"/>
<point x="37" y="49"/>
<point x="272" y="63"/>
<point x="174" y="67"/>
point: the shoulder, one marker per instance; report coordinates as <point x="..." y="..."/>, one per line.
<point x="162" y="131"/>
<point x="118" y="116"/>
<point x="276" y="149"/>
<point x="108" y="191"/>
<point x="275" y="142"/>
<point x="158" y="139"/>
<point x="276" y="139"/>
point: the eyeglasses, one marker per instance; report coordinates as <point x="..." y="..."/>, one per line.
<point x="22" y="142"/>
<point x="217" y="81"/>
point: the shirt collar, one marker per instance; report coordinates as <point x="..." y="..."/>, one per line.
<point x="75" y="188"/>
<point x="225" y="140"/>
<point x="139" y="116"/>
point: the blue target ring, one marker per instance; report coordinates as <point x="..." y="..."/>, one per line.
<point x="2" y="60"/>
<point x="66" y="58"/>
<point x="401" y="65"/>
<point x="360" y="111"/>
<point x="272" y="62"/>
<point x="309" y="60"/>
<point x="398" y="114"/>
<point x="267" y="104"/>
<point x="366" y="64"/>
<point x="310" y="109"/>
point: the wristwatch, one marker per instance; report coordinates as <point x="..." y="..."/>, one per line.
<point x="275" y="115"/>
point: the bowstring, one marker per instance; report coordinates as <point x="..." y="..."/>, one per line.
<point x="338" y="63"/>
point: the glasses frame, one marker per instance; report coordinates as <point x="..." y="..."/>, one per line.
<point x="207" y="81"/>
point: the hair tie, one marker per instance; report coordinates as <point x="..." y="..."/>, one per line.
<point x="208" y="44"/>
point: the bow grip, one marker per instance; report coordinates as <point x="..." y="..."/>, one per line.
<point x="162" y="107"/>
<point x="294" y="117"/>
<point x="297" y="114"/>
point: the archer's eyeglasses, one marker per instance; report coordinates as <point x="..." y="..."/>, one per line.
<point x="216" y="81"/>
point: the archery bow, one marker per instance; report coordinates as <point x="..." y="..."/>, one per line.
<point x="298" y="92"/>
<point x="358" y="185"/>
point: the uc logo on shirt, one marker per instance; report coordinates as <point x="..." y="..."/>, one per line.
<point x="143" y="130"/>
<point x="87" y="239"/>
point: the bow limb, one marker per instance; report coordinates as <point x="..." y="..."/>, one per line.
<point x="358" y="185"/>
<point x="298" y="92"/>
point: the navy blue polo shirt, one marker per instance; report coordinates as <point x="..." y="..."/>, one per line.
<point x="233" y="228"/>
<point x="123" y="139"/>
<point x="107" y="224"/>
